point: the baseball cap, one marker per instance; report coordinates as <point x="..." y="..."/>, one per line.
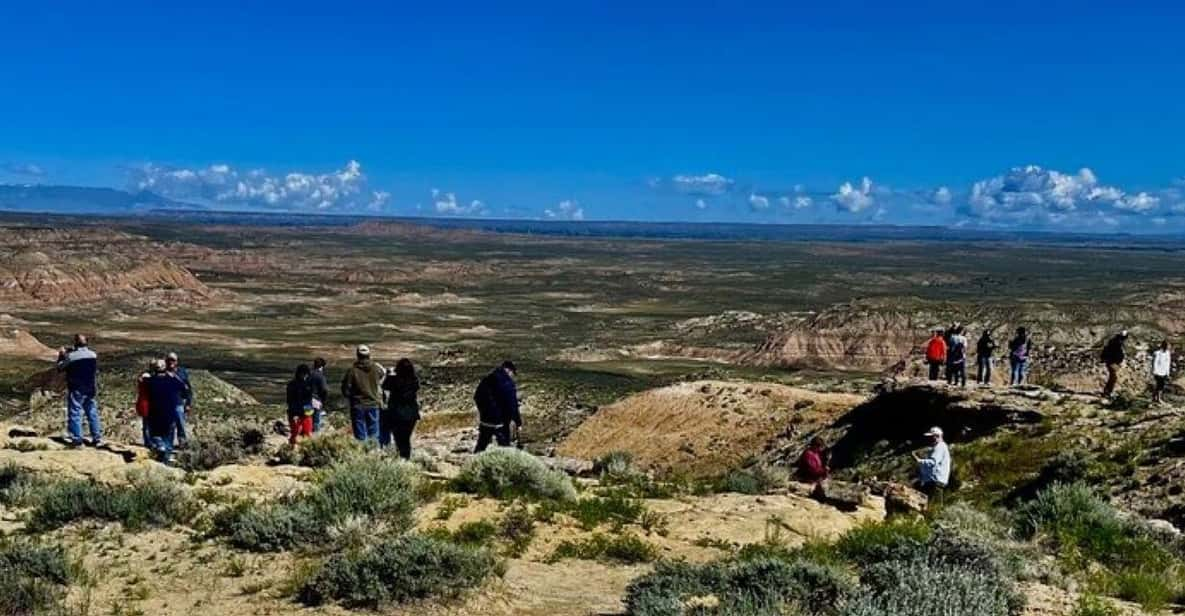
<point x="363" y="350"/>
<point x="935" y="431"/>
<point x="172" y="355"/>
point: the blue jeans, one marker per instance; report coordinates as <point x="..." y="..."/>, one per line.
<point x="77" y="404"/>
<point x="179" y="432"/>
<point x="318" y="416"/>
<point x="162" y="446"/>
<point x="1018" y="371"/>
<point x="147" y="432"/>
<point x="365" y="422"/>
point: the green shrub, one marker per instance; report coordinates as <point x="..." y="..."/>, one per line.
<point x="33" y="578"/>
<point x="504" y="472"/>
<point x="1090" y="605"/>
<point x="517" y="528"/>
<point x="18" y="486"/>
<point x="740" y="588"/>
<point x="920" y="588"/>
<point x="397" y="570"/>
<point x="615" y="466"/>
<point x="222" y="444"/>
<point x="615" y="509"/>
<point x="326" y="450"/>
<point x="900" y="538"/>
<point x="148" y="500"/>
<point x="476" y="534"/>
<point x="268" y="528"/>
<point x="753" y="480"/>
<point x="622" y="548"/>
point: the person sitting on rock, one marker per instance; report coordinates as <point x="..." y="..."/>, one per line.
<point x="1162" y="365"/>
<point x="936" y="353"/>
<point x="812" y="465"/>
<point x="934" y="469"/>
<point x="1018" y="356"/>
<point x="165" y="393"/>
<point x="1112" y="357"/>
<point x="299" y="396"/>
<point x="81" y="366"/>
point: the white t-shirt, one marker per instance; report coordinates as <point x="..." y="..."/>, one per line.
<point x="1162" y="362"/>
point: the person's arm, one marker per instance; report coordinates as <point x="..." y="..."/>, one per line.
<point x="347" y="392"/>
<point x="509" y="401"/>
<point x="188" y="389"/>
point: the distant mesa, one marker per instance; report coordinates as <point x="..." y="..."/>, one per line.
<point x="19" y="344"/>
<point x="84" y="200"/>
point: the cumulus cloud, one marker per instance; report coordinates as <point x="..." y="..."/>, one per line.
<point x="23" y="169"/>
<point x="1033" y="190"/>
<point x="854" y="199"/>
<point x="758" y="202"/>
<point x="942" y="196"/>
<point x="345" y="189"/>
<point x="707" y="185"/>
<point x="700" y="204"/>
<point x="566" y="210"/>
<point x="446" y="204"/>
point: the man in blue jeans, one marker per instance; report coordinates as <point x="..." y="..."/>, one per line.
<point x="81" y="366"/>
<point x="166" y="392"/>
<point x="174" y="368"/>
<point x="363" y="388"/>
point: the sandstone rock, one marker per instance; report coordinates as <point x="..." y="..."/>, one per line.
<point x="902" y="499"/>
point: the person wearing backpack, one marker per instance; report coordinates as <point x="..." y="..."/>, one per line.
<point x="936" y="353"/>
<point x="1018" y="356"/>
<point x="1112" y="357"/>
<point x="984" y="349"/>
<point x="956" y="358"/>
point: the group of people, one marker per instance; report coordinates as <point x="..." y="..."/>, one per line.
<point x="948" y="348"/>
<point x="164" y="399"/>
<point x="384" y="404"/>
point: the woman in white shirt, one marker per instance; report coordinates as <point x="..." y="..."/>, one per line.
<point x="1162" y="364"/>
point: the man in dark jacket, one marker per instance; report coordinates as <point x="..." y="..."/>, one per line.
<point x="1113" y="355"/>
<point x="984" y="349"/>
<point x="320" y="386"/>
<point x="166" y="392"/>
<point x="81" y="366"/>
<point x="497" y="407"/>
<point x="362" y="387"/>
<point x="173" y="367"/>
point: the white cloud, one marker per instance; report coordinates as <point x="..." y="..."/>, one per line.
<point x="700" y="204"/>
<point x="25" y="169"/>
<point x="1141" y="202"/>
<point x="446" y="204"/>
<point x="854" y="199"/>
<point x="566" y="210"/>
<point x="345" y="189"/>
<point x="758" y="202"/>
<point x="1032" y="191"/>
<point x="709" y="185"/>
<point x="942" y="196"/>
<point x="802" y="202"/>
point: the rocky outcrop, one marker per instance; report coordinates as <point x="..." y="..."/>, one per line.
<point x="19" y="344"/>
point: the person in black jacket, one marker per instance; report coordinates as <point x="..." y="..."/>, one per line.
<point x="165" y="393"/>
<point x="984" y="349"/>
<point x="320" y="387"/>
<point x="300" y="404"/>
<point x="497" y="407"/>
<point x="399" y="419"/>
<point x="1113" y="355"/>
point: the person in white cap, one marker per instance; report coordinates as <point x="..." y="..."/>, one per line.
<point x="176" y="370"/>
<point x="934" y="469"/>
<point x="363" y="388"/>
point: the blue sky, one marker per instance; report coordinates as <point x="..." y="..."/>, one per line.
<point x="690" y="111"/>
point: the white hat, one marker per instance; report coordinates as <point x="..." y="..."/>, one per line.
<point x="172" y="355"/>
<point x="935" y="431"/>
<point x="363" y="350"/>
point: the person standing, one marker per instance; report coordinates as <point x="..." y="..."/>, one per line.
<point x="984" y="349"/>
<point x="934" y="469"/>
<point x="362" y="387"/>
<point x="81" y="366"/>
<point x="1018" y="356"/>
<point x="165" y="393"/>
<point x="1162" y="365"/>
<point x="956" y="358"/>
<point x="1112" y="357"/>
<point x="936" y="353"/>
<point x="299" y="396"/>
<point x="403" y="408"/>
<point x="320" y="386"/>
<point x="176" y="370"/>
<point x="144" y="402"/>
<point x="497" y="407"/>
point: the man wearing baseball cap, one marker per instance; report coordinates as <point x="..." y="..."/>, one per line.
<point x="362" y="387"/>
<point x="934" y="469"/>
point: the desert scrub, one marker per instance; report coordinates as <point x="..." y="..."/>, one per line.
<point x="221" y="444"/>
<point x="620" y="548"/>
<point x="322" y="451"/>
<point x="754" y="480"/>
<point x="33" y="577"/>
<point x="149" y="499"/>
<point x="517" y="529"/>
<point x="876" y="541"/>
<point x="18" y="486"/>
<point x="373" y="487"/>
<point x="504" y="472"/>
<point x="921" y="588"/>
<point x="740" y="587"/>
<point x="1092" y="605"/>
<point x="396" y="571"/>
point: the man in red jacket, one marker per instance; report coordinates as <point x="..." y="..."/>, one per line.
<point x="812" y="464"/>
<point x="936" y="353"/>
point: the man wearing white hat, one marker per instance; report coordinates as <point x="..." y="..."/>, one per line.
<point x="934" y="469"/>
<point x="362" y="387"/>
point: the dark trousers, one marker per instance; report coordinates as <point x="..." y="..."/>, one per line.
<point x="1160" y="382"/>
<point x="983" y="370"/>
<point x="934" y="494"/>
<point x="400" y="430"/>
<point x="1112" y="378"/>
<point x="935" y="366"/>
<point x="487" y="433"/>
<point x="956" y="373"/>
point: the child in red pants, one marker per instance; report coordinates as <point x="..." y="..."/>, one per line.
<point x="300" y="404"/>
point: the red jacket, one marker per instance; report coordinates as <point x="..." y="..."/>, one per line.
<point x="936" y="349"/>
<point x="142" y="404"/>
<point x="811" y="467"/>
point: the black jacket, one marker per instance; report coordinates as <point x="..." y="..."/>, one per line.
<point x="401" y="396"/>
<point x="985" y="347"/>
<point x="1113" y="352"/>
<point x="497" y="399"/>
<point x="299" y="395"/>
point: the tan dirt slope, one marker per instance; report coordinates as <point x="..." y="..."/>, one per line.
<point x="703" y="428"/>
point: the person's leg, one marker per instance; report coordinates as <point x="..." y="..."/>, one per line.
<point x="317" y="417"/>
<point x="502" y="434"/>
<point x="180" y="427"/>
<point x="358" y="422"/>
<point x="933" y="370"/>
<point x="386" y="428"/>
<point x="963" y="374"/>
<point x="147" y="432"/>
<point x="306" y="426"/>
<point x="372" y="424"/>
<point x="293" y="429"/>
<point x="91" y="406"/>
<point x="403" y="431"/>
<point x="74" y="417"/>
<point x="484" y="434"/>
<point x="987" y="371"/>
<point x="1112" y="377"/>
